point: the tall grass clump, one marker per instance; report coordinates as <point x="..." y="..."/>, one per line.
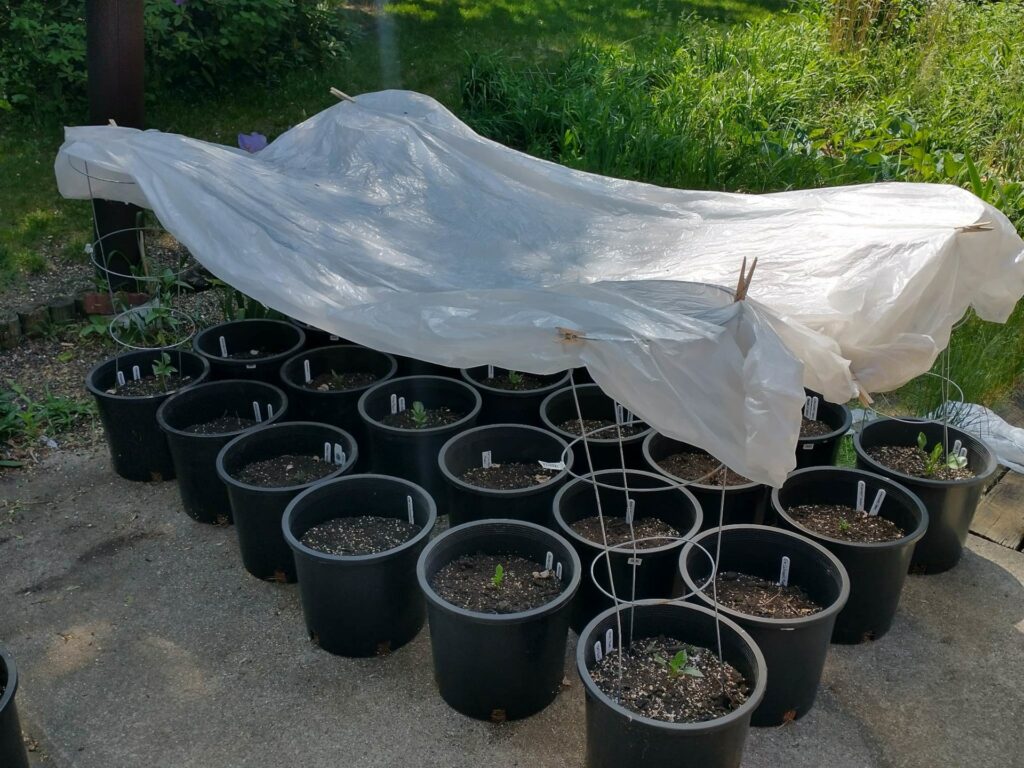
<point x="909" y="90"/>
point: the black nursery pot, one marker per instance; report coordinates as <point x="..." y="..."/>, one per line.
<point x="744" y="503"/>
<point x="412" y="453"/>
<point x="498" y="666"/>
<point x="138" y="447"/>
<point x="257" y="510"/>
<point x="360" y="605"/>
<point x="505" y="406"/>
<point x="618" y="737"/>
<point x="507" y="443"/>
<point x="653" y="496"/>
<point x="950" y="503"/>
<point x="876" y="570"/>
<point x="280" y="338"/>
<point x="822" y="450"/>
<point x="794" y="649"/>
<point x="195" y="455"/>
<point x="316" y="337"/>
<point x="12" y="748"/>
<point x="560" y="407"/>
<point x="337" y="407"/>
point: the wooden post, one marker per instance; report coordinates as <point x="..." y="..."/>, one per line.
<point x="114" y="59"/>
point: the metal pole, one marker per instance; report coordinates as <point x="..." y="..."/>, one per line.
<point x="114" y="59"/>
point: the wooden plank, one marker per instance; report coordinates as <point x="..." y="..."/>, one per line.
<point x="1000" y="515"/>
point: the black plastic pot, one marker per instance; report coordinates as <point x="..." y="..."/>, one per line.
<point x="745" y="503"/>
<point x="505" y="406"/>
<point x="138" y="448"/>
<point x="506" y="443"/>
<point x="560" y="407"/>
<point x="412" y="453"/>
<point x="876" y="570"/>
<point x="12" y="748"/>
<point x="315" y="337"/>
<point x="950" y="503"/>
<point x="281" y="338"/>
<point x="257" y="510"/>
<point x="337" y="407"/>
<point x="195" y="455"/>
<point x="360" y="605"/>
<point x="794" y="649"/>
<point x="619" y="738"/>
<point x="499" y="666"/>
<point x="653" y="496"/>
<point x="822" y="450"/>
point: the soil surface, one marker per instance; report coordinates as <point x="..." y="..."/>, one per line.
<point x="252" y="354"/>
<point x="222" y="425"/>
<point x="435" y="417"/>
<point x="572" y="426"/>
<point x="700" y="689"/>
<point x="524" y="383"/>
<point x="755" y="596"/>
<point x="362" y="535"/>
<point x="618" y="531"/>
<point x="285" y="470"/>
<point x="332" y="381"/>
<point x="839" y="521"/>
<point x="700" y="467"/>
<point x="508" y="476"/>
<point x="909" y="460"/>
<point x="468" y="582"/>
<point x="149" y="385"/>
<point x="809" y="428"/>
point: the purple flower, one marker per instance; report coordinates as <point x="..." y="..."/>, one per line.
<point x="252" y="142"/>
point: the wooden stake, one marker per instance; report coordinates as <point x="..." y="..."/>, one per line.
<point x="341" y="95"/>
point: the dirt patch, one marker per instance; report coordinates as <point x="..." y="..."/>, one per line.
<point x="150" y="385"/>
<point x="431" y="417"/>
<point x="700" y="467"/>
<point x="911" y="460"/>
<point x="666" y="679"/>
<point x="813" y="428"/>
<point x="754" y="596"/>
<point x="287" y="469"/>
<point x="839" y="521"/>
<point x="508" y="476"/>
<point x="222" y="425"/>
<point x="572" y="426"/>
<point x="332" y="381"/>
<point x="361" y="535"/>
<point x="617" y="530"/>
<point x="472" y="582"/>
<point x="514" y="382"/>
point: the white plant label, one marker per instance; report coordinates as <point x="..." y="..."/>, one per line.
<point x="956" y="447"/>
<point x="339" y="454"/>
<point x="549" y="561"/>
<point x="876" y="505"/>
<point x="556" y="466"/>
<point x="306" y="372"/>
<point x="401" y="404"/>
<point x="136" y="373"/>
<point x="394" y="403"/>
<point x="332" y="337"/>
<point x="327" y="451"/>
<point x="630" y="511"/>
<point x="962" y="453"/>
<point x="808" y="446"/>
<point x="409" y="509"/>
<point x="120" y="378"/>
<point x="485" y="459"/>
<point x="635" y="561"/>
<point x="223" y="347"/>
<point x="784" y="572"/>
<point x="256" y="412"/>
<point x="270" y="411"/>
<point x="251" y="367"/>
<point x="862" y="490"/>
<point x="811" y="408"/>
<point x="558" y="571"/>
<point x="618" y="413"/>
<point x="598" y="653"/>
<point x="490" y="371"/>
<point x="609" y="641"/>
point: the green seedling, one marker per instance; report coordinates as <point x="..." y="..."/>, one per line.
<point x="163" y="369"/>
<point x="498" y="577"/>
<point x="515" y="378"/>
<point x="418" y="415"/>
<point x="934" y="459"/>
<point x="679" y="665"/>
<point x="844" y="526"/>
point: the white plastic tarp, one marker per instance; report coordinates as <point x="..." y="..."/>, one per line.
<point x="388" y="221"/>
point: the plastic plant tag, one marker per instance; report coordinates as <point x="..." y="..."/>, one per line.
<point x="409" y="509"/>
<point x="876" y="505"/>
<point x="339" y="454"/>
<point x="811" y="408"/>
<point x="549" y="561"/>
<point x="256" y="411"/>
<point x="598" y="652"/>
<point x="609" y="640"/>
<point x="327" y="451"/>
<point x="136" y="373"/>
<point x="332" y="337"/>
<point x="637" y="561"/>
<point x="618" y="413"/>
<point x="556" y="466"/>
<point x="862" y="489"/>
<point x="957" y="445"/>
<point x="305" y="371"/>
<point x="223" y="347"/>
<point x="485" y="459"/>
<point x="784" y="572"/>
<point x="394" y="404"/>
<point x="490" y="371"/>
<point x="270" y="411"/>
<point x="558" y="571"/>
<point x="401" y="404"/>
<point x="808" y="446"/>
<point x="630" y="511"/>
<point x="120" y="378"/>
<point x="963" y="452"/>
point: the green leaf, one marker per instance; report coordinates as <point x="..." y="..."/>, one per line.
<point x="11" y="463"/>
<point x="693" y="672"/>
<point x="922" y="442"/>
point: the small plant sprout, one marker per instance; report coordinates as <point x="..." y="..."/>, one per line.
<point x="499" y="576"/>
<point x="844" y="525"/>
<point x="163" y="369"/>
<point x="679" y="665"/>
<point x="934" y="458"/>
<point x="418" y="415"/>
<point x="515" y="378"/>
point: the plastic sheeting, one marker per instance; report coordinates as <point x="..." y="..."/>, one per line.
<point x="388" y="221"/>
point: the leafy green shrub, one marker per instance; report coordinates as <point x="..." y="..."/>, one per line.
<point x="209" y="43"/>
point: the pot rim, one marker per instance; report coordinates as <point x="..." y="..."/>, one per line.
<point x="352" y="560"/>
<point x="907" y="538"/>
<point x="688" y="483"/>
<point x="838" y="432"/>
<point x="760" y="621"/>
<point x="744" y="711"/>
<point x="162" y="421"/>
<point x="477" y="617"/>
<point x="567" y="530"/>
<point x="546" y="389"/>
<point x="289" y="381"/>
<point x="102" y="393"/>
<point x="454" y="426"/>
<point x="579" y="438"/>
<point x="8" y="663"/>
<point x="229" y="479"/>
<point x="502" y="493"/>
<point x="284" y="355"/>
<point x="979" y="446"/>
